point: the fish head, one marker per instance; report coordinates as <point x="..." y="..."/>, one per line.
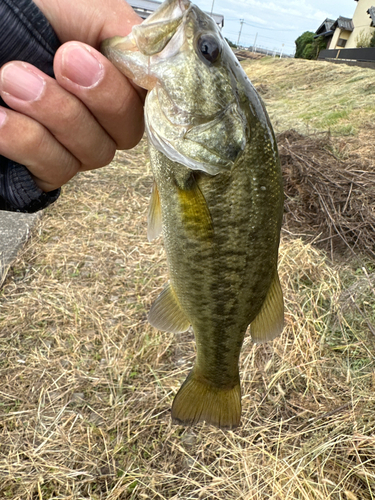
<point x="192" y="111"/>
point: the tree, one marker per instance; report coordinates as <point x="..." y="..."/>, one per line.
<point x="304" y="45"/>
<point x="319" y="44"/>
<point x="372" y="41"/>
<point x="308" y="47"/>
<point x="231" y="44"/>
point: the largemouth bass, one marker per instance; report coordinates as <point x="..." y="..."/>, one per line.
<point x="217" y="199"/>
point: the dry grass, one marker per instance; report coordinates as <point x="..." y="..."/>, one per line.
<point x="330" y="192"/>
<point x="87" y="384"/>
<point x="315" y="95"/>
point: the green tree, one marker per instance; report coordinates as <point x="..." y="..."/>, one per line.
<point x="372" y="41"/>
<point x="308" y="47"/>
<point x="302" y="45"/>
<point x="231" y="44"/>
<point x="319" y="44"/>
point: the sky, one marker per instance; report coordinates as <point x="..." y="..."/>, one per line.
<point x="277" y="22"/>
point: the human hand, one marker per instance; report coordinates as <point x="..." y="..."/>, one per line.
<point x="76" y="122"/>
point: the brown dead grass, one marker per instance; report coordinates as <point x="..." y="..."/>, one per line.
<point x="87" y="383"/>
<point x="330" y="191"/>
<point x="246" y="54"/>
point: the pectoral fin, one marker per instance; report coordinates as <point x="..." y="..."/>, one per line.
<point x="154" y="215"/>
<point x="270" y="321"/>
<point x="196" y="215"/>
<point x="166" y="314"/>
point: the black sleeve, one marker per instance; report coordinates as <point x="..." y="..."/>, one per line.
<point x="25" y="35"/>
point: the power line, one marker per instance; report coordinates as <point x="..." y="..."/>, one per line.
<point x="258" y="26"/>
<point x="268" y="29"/>
<point x="248" y="36"/>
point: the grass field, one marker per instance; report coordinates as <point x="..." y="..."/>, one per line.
<point x="87" y="383"/>
<point x="315" y="95"/>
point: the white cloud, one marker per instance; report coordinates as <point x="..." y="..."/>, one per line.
<point x="292" y="9"/>
<point x="244" y="15"/>
<point x="278" y="21"/>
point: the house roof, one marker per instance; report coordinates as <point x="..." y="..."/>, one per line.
<point x="146" y="7"/>
<point x="325" y="27"/>
<point x="344" y="23"/>
<point x="371" y="13"/>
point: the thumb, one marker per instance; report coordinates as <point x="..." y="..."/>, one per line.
<point x="89" y="21"/>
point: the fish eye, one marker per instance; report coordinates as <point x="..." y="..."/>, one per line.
<point x="209" y="48"/>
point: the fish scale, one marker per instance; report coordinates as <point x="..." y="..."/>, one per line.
<point x="217" y="200"/>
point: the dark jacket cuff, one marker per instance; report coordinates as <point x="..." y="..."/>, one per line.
<point x="18" y="191"/>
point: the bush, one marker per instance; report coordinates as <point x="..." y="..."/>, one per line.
<point x="363" y="40"/>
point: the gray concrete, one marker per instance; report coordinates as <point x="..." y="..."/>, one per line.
<point x="14" y="231"/>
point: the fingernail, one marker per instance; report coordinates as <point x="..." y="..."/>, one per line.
<point x="3" y="116"/>
<point x="22" y="83"/>
<point x="81" y="67"/>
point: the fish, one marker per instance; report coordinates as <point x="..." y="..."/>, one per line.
<point x="217" y="200"/>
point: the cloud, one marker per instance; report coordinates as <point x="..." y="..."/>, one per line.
<point x="244" y="15"/>
<point x="278" y="21"/>
<point x="288" y="9"/>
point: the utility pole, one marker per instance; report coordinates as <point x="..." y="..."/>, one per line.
<point x="255" y="43"/>
<point x="212" y="7"/>
<point x="239" y="34"/>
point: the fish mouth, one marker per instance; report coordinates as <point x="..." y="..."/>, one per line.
<point x="152" y="35"/>
<point x="132" y="54"/>
<point x="162" y="56"/>
<point x="168" y="11"/>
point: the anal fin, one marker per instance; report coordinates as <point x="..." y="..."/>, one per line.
<point x="154" y="215"/>
<point x="270" y="321"/>
<point x="166" y="314"/>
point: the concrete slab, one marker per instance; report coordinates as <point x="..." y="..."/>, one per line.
<point x="14" y="231"/>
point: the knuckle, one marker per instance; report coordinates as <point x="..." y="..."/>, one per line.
<point x="107" y="153"/>
<point x="102" y="157"/>
<point x="73" y="112"/>
<point x="50" y="161"/>
<point x="36" y="139"/>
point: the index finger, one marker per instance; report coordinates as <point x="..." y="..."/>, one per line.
<point x="108" y="94"/>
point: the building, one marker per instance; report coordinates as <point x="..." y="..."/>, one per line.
<point x="344" y="32"/>
<point x="326" y="30"/>
<point x="146" y="7"/>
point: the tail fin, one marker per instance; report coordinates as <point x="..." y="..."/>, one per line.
<point x="197" y="400"/>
